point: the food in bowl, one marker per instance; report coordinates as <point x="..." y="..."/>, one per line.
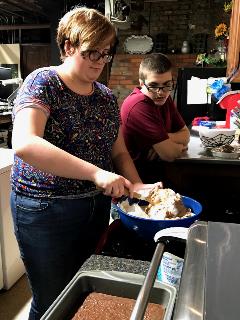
<point x="164" y="204"/>
<point x="147" y="227"/>
<point x="226" y="151"/>
<point x="225" y="148"/>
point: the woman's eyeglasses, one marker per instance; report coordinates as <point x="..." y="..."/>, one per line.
<point x="156" y="89"/>
<point x="95" y="55"/>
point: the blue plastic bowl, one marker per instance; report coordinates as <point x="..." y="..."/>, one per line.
<point x="147" y="228"/>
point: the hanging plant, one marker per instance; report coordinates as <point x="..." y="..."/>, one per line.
<point x="228" y="7"/>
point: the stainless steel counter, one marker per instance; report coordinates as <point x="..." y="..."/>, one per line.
<point x="210" y="281"/>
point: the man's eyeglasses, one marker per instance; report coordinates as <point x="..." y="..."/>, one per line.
<point x="95" y="55"/>
<point x="156" y="89"/>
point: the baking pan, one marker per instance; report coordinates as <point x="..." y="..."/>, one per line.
<point x="121" y="284"/>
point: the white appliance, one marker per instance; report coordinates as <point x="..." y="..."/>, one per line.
<point x="11" y="265"/>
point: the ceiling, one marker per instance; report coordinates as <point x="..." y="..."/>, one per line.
<point x="37" y="11"/>
<point x="29" y="21"/>
<point x="22" y="12"/>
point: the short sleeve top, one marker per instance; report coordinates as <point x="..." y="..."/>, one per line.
<point x="145" y="124"/>
<point x="84" y="126"/>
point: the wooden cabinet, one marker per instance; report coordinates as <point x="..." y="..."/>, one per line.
<point x="34" y="56"/>
<point x="214" y="185"/>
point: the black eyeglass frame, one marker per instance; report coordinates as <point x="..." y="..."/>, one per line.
<point x="95" y="55"/>
<point x="156" y="89"/>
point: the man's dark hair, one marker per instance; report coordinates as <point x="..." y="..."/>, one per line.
<point x="155" y="62"/>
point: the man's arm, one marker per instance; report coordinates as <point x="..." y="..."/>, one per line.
<point x="182" y="136"/>
<point x="168" y="150"/>
<point x="171" y="148"/>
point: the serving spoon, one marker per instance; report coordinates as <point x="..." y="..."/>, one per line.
<point x="137" y="198"/>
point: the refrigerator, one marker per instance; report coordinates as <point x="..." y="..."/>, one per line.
<point x="11" y="265"/>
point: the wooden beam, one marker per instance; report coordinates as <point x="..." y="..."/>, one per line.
<point x="234" y="42"/>
<point x="23" y="5"/>
<point x="160" y="0"/>
<point x="23" y="8"/>
<point x="23" y="26"/>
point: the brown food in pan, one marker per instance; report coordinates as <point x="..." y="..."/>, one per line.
<point x="100" y="306"/>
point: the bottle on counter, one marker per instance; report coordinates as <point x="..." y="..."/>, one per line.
<point x="170" y="269"/>
<point x="233" y="121"/>
<point x="185" y="47"/>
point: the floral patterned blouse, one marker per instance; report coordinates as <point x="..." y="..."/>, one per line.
<point x="84" y="126"/>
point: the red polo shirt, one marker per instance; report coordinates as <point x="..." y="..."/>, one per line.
<point x="145" y="124"/>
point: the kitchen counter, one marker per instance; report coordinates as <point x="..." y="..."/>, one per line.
<point x="213" y="181"/>
<point x="106" y="263"/>
<point x="196" y="152"/>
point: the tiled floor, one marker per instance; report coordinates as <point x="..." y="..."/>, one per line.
<point x="15" y="302"/>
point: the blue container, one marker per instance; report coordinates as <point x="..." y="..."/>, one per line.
<point x="147" y="228"/>
<point x="208" y="124"/>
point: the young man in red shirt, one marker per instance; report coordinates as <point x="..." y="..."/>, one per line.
<point x="153" y="129"/>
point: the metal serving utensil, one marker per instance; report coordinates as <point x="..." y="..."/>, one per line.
<point x="137" y="198"/>
<point x="161" y="237"/>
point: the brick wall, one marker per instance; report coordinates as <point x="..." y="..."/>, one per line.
<point x="124" y="71"/>
<point x="175" y="19"/>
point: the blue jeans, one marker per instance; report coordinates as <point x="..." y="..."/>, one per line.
<point x="55" y="237"/>
<point x="114" y="212"/>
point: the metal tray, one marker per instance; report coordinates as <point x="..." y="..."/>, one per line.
<point x="116" y="283"/>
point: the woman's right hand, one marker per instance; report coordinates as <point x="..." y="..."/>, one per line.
<point x="111" y="183"/>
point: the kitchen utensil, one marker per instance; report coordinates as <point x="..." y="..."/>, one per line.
<point x="137" y="198"/>
<point x="161" y="238"/>
<point x="116" y="283"/>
